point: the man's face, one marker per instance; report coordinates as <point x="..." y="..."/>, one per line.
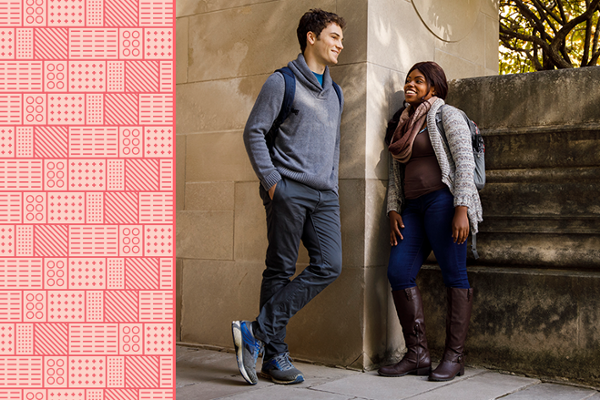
<point x="328" y="46"/>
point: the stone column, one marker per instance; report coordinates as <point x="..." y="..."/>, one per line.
<point x="226" y="50"/>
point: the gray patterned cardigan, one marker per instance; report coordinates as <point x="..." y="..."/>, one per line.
<point x="457" y="165"/>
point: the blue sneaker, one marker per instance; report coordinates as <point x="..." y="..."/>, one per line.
<point x="281" y="370"/>
<point x="247" y="349"/>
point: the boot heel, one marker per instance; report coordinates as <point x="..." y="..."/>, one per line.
<point x="462" y="371"/>
<point x="423" y="371"/>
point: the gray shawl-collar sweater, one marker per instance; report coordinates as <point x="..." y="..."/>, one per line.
<point x="457" y="164"/>
<point x="307" y="146"/>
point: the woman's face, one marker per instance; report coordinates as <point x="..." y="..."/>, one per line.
<point x="415" y="88"/>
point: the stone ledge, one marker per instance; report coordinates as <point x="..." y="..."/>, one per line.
<point x="536" y="322"/>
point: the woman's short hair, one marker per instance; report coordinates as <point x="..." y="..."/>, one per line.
<point x="315" y="20"/>
<point x="435" y="76"/>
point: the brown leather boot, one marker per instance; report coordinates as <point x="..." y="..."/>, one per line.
<point x="460" y="303"/>
<point x="410" y="312"/>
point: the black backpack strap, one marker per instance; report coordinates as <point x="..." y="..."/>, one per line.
<point x="288" y="97"/>
<point x="338" y="91"/>
<point x="286" y="105"/>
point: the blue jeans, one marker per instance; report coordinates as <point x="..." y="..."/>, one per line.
<point x="296" y="213"/>
<point x="428" y="226"/>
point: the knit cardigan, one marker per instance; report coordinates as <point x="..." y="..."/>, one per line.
<point x="456" y="163"/>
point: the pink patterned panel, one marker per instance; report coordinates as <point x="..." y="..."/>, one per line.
<point x="87" y="193"/>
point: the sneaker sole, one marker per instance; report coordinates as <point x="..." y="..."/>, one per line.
<point x="299" y="379"/>
<point x="236" y="331"/>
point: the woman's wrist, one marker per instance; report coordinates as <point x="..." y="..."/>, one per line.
<point x="461" y="209"/>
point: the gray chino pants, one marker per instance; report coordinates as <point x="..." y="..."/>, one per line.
<point x="296" y="213"/>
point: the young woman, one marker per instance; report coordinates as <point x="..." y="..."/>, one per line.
<point x="431" y="199"/>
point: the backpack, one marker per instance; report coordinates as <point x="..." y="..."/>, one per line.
<point x="478" y="155"/>
<point x="286" y="105"/>
<point x="476" y="142"/>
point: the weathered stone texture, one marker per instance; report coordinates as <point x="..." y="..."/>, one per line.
<point x="541" y="206"/>
<point x="529" y="321"/>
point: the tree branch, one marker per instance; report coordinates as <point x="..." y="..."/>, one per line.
<point x="586" y="44"/>
<point x="527" y="13"/>
<point x="596" y="36"/>
<point x="544" y="12"/>
<point x="562" y="11"/>
<point x="562" y="33"/>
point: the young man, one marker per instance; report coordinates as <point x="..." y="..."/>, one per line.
<point x="298" y="174"/>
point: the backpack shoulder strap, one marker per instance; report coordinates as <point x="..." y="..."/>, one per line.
<point x="286" y="105"/>
<point x="288" y="97"/>
<point x="440" y="125"/>
<point x="338" y="91"/>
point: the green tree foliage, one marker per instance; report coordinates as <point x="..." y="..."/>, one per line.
<point x="538" y="35"/>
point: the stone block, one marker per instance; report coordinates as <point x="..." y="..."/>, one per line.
<point x="178" y="297"/>
<point x="529" y="321"/>
<point x="456" y="67"/>
<point x="209" y="374"/>
<point x="209" y="196"/>
<point x="542" y="192"/>
<point x="490" y="8"/>
<point x="491" y="35"/>
<point x="180" y="171"/>
<point x="365" y="386"/>
<point x="551" y="391"/>
<point x="385" y="96"/>
<point x="207" y="312"/>
<point x="394" y="28"/>
<point x="217" y="157"/>
<point x="216" y="106"/>
<point x="376" y="316"/>
<point x="263" y="40"/>
<point x="552" y="149"/>
<point x="330" y="328"/>
<point x="205" y="235"/>
<point x="250" y="241"/>
<point x="516" y="103"/>
<point x="191" y="7"/>
<point x="352" y="80"/>
<point x="288" y="393"/>
<point x="538" y="249"/>
<point x="181" y="53"/>
<point x="481" y="386"/>
<point x="395" y="345"/>
<point x="355" y="13"/>
<point x="473" y="45"/>
<point x="449" y="21"/>
<point x="377" y="247"/>
<point x="352" y="208"/>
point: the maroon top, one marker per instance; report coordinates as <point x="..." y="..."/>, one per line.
<point x="423" y="174"/>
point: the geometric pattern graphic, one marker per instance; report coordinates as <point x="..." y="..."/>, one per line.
<point x="87" y="197"/>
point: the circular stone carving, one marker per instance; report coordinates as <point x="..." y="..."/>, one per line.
<point x="450" y="21"/>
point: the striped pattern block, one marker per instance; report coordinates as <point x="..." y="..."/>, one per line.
<point x="51" y="339"/>
<point x="51" y="43"/>
<point x="51" y="142"/>
<point x="87" y="191"/>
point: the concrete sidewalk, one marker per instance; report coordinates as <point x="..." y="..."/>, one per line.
<point x="207" y="374"/>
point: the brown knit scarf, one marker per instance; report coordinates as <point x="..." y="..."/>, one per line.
<point x="407" y="130"/>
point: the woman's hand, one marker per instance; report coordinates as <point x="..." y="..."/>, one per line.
<point x="460" y="225"/>
<point x="395" y="225"/>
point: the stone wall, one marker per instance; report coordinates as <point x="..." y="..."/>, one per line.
<point x="537" y="283"/>
<point x="225" y="51"/>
